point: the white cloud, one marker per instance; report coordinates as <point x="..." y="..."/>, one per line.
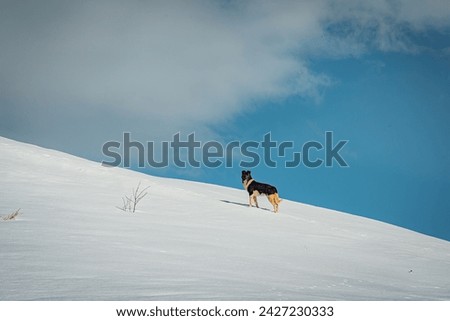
<point x="187" y="61"/>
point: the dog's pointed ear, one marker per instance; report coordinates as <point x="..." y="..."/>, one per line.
<point x="243" y="172"/>
<point x="249" y="172"/>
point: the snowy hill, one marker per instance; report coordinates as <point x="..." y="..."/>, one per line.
<point x="192" y="241"/>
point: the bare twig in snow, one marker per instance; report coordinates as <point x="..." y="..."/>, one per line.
<point x="130" y="202"/>
<point x="11" y="216"/>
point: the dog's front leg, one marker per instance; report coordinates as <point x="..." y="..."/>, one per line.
<point x="249" y="201"/>
<point x="255" y="200"/>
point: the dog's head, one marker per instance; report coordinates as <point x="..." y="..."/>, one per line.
<point x="246" y="176"/>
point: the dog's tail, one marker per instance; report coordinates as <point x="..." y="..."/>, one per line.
<point x="277" y="199"/>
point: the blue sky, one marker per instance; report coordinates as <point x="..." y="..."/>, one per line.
<point x="376" y="73"/>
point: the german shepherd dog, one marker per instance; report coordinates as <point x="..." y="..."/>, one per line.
<point x="255" y="189"/>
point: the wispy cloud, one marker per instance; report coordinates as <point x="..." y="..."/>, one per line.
<point x="387" y="25"/>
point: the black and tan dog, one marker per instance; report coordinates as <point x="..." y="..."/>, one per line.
<point x="255" y="189"/>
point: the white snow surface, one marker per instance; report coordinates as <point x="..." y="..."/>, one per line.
<point x="192" y="241"/>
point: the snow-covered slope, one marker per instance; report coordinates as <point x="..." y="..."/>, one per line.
<point x="192" y="241"/>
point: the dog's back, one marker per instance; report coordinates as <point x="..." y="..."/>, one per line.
<point x="262" y="188"/>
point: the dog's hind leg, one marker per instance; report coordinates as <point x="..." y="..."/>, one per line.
<point x="273" y="200"/>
